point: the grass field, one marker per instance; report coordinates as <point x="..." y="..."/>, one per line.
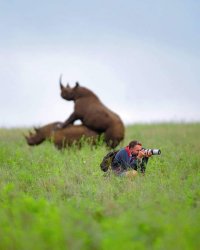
<point x="62" y="200"/>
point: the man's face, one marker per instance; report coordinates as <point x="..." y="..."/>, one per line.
<point x="135" y="151"/>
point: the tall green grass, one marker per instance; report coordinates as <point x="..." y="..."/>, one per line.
<point x="52" y="199"/>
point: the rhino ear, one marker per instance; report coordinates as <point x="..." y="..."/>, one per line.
<point x="61" y="86"/>
<point x="77" y="84"/>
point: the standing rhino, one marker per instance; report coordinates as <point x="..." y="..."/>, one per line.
<point x="93" y="113"/>
<point x="61" y="138"/>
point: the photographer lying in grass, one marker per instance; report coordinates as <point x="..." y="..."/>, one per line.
<point x="131" y="159"/>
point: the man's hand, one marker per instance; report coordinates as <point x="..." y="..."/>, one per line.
<point x="144" y="153"/>
<point x="141" y="154"/>
<point x="148" y="154"/>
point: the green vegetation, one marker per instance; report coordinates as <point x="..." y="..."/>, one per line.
<point x="62" y="200"/>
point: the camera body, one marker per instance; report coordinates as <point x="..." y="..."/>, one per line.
<point x="153" y="151"/>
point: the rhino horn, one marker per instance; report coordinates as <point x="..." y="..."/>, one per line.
<point x="61" y="86"/>
<point x="36" y="129"/>
<point x="30" y="133"/>
<point x="25" y="136"/>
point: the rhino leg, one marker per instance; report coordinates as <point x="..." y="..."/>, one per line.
<point x="72" y="118"/>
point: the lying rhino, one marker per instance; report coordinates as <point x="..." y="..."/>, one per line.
<point x="61" y="138"/>
<point x="93" y="114"/>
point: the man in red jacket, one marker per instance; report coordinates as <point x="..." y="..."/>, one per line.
<point x="129" y="159"/>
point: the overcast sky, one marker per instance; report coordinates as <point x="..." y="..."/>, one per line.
<point x="142" y="58"/>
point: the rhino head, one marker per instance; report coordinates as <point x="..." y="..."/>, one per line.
<point x="42" y="133"/>
<point x="35" y="138"/>
<point x="67" y="92"/>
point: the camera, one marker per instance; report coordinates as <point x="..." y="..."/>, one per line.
<point x="153" y="151"/>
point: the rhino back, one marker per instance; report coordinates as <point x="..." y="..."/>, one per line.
<point x="73" y="133"/>
<point x="95" y="115"/>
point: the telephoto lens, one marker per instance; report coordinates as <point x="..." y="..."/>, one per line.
<point x="153" y="151"/>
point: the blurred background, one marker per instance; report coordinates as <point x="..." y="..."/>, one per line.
<point x="140" y="57"/>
